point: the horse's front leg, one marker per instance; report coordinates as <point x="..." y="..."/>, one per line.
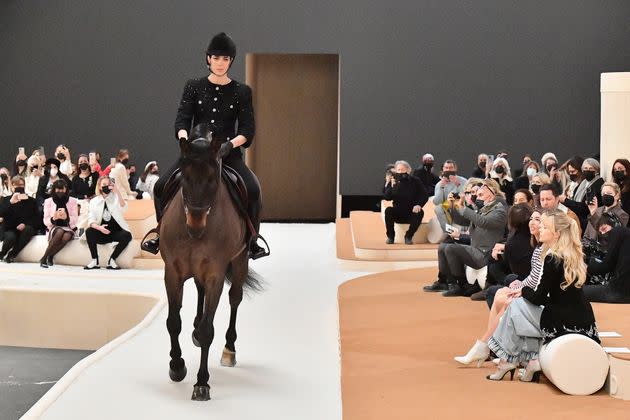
<point x="200" y="299"/>
<point x="239" y="275"/>
<point x="213" y="286"/>
<point x="175" y="291"/>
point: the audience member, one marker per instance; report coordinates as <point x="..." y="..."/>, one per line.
<point x="610" y="200"/>
<point x="148" y="179"/>
<point x="621" y="176"/>
<point x="106" y="223"/>
<point x="589" y="191"/>
<point x="529" y="170"/>
<point x="20" y="219"/>
<point x="33" y="173"/>
<point x="487" y="227"/>
<point x="482" y="164"/>
<point x="538" y="180"/>
<point x="61" y="213"/>
<point x="550" y="200"/>
<point x="94" y="159"/>
<point x="84" y="184"/>
<point x="573" y="168"/>
<point x="62" y="153"/>
<point x="424" y="173"/>
<point x="409" y="196"/>
<point x="527" y="159"/>
<point x="615" y="264"/>
<point x="5" y="183"/>
<point x="523" y="196"/>
<point x="19" y="167"/>
<point x="500" y="172"/>
<point x="120" y="175"/>
<point x="449" y="183"/>
<point x="525" y="326"/>
<point x="51" y="174"/>
<point x="550" y="166"/>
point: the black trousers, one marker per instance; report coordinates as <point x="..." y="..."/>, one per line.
<point x="604" y="293"/>
<point x="15" y="240"/>
<point x="249" y="178"/>
<point x="95" y="237"/>
<point x="398" y="215"/>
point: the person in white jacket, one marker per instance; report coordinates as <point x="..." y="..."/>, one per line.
<point x="106" y="223"/>
<point x="120" y="175"/>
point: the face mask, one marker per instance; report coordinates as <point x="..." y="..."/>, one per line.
<point x="608" y="200"/>
<point x="4" y="177"/>
<point x="61" y="156"/>
<point x="404" y="176"/>
<point x="428" y="166"/>
<point x="154" y="172"/>
<point x="124" y="161"/>
<point x="535" y="188"/>
<point x="482" y="165"/>
<point x="499" y="170"/>
<point x="589" y="175"/>
<point x="19" y="190"/>
<point x="84" y="166"/>
<point x="34" y="168"/>
<point x="531" y="172"/>
<point x="479" y="204"/>
<point x="573" y="177"/>
<point x="619" y="176"/>
<point x="551" y="168"/>
<point x="53" y="172"/>
<point x="473" y="197"/>
<point x="106" y="189"/>
<point x="21" y="163"/>
<point x="60" y="194"/>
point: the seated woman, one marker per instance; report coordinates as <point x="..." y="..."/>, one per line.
<point x="106" y="223"/>
<point x="525" y="325"/>
<point x="611" y="193"/>
<point x="616" y="262"/>
<point x="530" y="169"/>
<point x="538" y="180"/>
<point x="480" y="351"/>
<point x="589" y="191"/>
<point x="147" y="180"/>
<point x="501" y="173"/>
<point x="60" y="217"/>
<point x="523" y="196"/>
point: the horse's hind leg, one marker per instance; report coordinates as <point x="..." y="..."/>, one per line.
<point x="239" y="273"/>
<point x="175" y="290"/>
<point x="205" y="334"/>
<point x="200" y="298"/>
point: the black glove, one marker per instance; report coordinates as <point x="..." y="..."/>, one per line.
<point x="225" y="149"/>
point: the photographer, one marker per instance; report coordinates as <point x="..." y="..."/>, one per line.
<point x="409" y="195"/>
<point x="589" y="191"/>
<point x="610" y="200"/>
<point x="449" y="183"/>
<point x="615" y="266"/>
<point x="20" y="220"/>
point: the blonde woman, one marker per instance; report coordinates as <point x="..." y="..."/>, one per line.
<point x="502" y="174"/>
<point x="524" y="325"/>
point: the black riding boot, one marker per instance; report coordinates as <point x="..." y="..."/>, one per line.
<point x="153" y="245"/>
<point x="256" y="251"/>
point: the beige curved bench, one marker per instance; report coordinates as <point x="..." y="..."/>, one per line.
<point x="421" y="235"/>
<point x="575" y="364"/>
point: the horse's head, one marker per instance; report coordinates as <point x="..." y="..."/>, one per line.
<point x="201" y="174"/>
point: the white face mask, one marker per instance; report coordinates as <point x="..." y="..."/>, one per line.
<point x="531" y="171"/>
<point x="53" y="172"/>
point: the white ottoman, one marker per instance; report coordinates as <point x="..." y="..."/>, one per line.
<point x="575" y="364"/>
<point x="480" y="275"/>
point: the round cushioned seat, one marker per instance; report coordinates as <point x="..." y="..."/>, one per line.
<point x="575" y="364"/>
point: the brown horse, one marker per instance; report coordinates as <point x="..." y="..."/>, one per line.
<point x="203" y="237"/>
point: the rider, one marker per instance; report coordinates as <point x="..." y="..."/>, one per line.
<point x="225" y="106"/>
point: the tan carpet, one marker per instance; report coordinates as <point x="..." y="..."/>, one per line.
<point x="397" y="348"/>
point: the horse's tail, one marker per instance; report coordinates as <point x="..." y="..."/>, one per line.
<point x="253" y="281"/>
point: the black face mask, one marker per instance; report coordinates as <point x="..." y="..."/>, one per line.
<point x="34" y="168"/>
<point x="551" y="168"/>
<point x="482" y="165"/>
<point x="21" y="163"/>
<point x="4" y="177"/>
<point x="479" y="204"/>
<point x="499" y="170"/>
<point x="428" y="166"/>
<point x="154" y="172"/>
<point x="589" y="175"/>
<point x="535" y="188"/>
<point x="19" y="190"/>
<point x="125" y="162"/>
<point x="106" y="189"/>
<point x="84" y="166"/>
<point x="61" y="156"/>
<point x="619" y="176"/>
<point x="608" y="200"/>
<point x="573" y="177"/>
<point x="61" y="195"/>
<point x="473" y="198"/>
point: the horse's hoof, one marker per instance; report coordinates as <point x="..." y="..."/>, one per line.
<point x="201" y="393"/>
<point x="195" y="341"/>
<point x="228" y="358"/>
<point x="178" y="375"/>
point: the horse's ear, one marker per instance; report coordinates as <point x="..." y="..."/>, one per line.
<point x="184" y="145"/>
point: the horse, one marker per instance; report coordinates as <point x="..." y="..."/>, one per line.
<point x="203" y="236"/>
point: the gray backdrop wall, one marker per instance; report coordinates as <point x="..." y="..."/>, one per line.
<point x="450" y="77"/>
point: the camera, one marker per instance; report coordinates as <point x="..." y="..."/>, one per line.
<point x="456" y="195"/>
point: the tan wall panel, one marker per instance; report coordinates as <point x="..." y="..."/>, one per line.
<point x="615" y="124"/>
<point x="295" y="151"/>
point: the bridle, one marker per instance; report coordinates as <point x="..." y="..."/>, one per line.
<point x="188" y="207"/>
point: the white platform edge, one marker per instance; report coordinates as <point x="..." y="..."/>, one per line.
<point x="38" y="409"/>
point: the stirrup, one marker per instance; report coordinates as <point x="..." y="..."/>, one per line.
<point x="151" y="245"/>
<point x="260" y="251"/>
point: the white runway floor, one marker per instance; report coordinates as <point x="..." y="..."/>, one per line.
<point x="287" y="348"/>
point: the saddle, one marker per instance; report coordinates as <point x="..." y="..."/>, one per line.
<point x="235" y="186"/>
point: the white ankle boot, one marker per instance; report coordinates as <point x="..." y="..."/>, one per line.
<point x="92" y="265"/>
<point x="478" y="353"/>
<point x="111" y="264"/>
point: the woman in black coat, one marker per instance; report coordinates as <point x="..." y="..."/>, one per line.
<point x="589" y="190"/>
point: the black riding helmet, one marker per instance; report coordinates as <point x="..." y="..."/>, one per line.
<point x="221" y="44"/>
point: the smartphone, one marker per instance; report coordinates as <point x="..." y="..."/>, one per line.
<point x="92" y="157"/>
<point x="112" y="162"/>
<point x="22" y="197"/>
<point x="42" y="151"/>
<point x="449" y="228"/>
<point x="491" y="159"/>
<point x="20" y="151"/>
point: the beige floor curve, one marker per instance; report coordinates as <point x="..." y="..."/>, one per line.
<point x="397" y="348"/>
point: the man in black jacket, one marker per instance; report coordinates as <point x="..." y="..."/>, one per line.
<point x="409" y="195"/>
<point x="20" y="218"/>
<point x="425" y="173"/>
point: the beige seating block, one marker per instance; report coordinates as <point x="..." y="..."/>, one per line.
<point x="421" y="235"/>
<point x="575" y="364"/>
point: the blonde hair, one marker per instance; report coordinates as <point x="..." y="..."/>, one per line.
<point x="544" y="178"/>
<point x="493" y="186"/>
<point x="568" y="248"/>
<point x="614" y="187"/>
<point x="98" y="184"/>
